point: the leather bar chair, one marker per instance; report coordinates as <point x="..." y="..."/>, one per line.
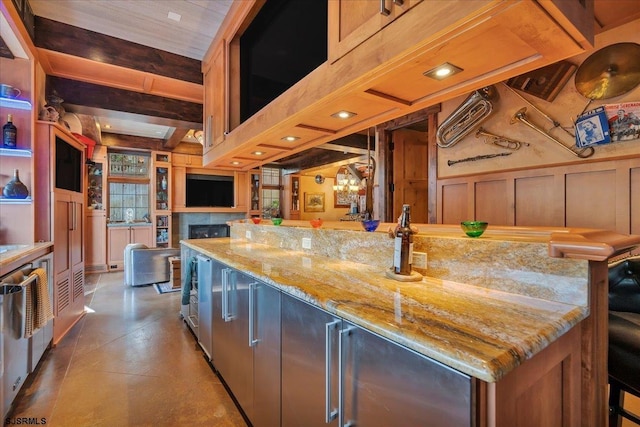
<point x="624" y="337"/>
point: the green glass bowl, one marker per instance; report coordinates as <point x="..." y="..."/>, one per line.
<point x="474" y="228"/>
<point x="276" y="221"/>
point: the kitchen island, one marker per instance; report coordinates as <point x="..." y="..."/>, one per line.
<point x="498" y="309"/>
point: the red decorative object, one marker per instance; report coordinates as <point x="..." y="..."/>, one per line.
<point x="90" y="143"/>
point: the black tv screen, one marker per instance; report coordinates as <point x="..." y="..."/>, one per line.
<point x="68" y="166"/>
<point x="212" y="191"/>
<point x="284" y="42"/>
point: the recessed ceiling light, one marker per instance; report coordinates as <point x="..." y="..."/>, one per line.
<point x="258" y="153"/>
<point x="343" y="115"/>
<point x="290" y="138"/>
<point x="236" y="163"/>
<point x="442" y="71"/>
<point x="107" y="126"/>
<point x="174" y="16"/>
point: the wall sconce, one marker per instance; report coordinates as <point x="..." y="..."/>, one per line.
<point x="443" y="71"/>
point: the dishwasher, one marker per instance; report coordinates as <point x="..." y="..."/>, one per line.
<point x="15" y="347"/>
<point x="19" y="355"/>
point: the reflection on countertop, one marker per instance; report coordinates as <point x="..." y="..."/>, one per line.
<point x="128" y="224"/>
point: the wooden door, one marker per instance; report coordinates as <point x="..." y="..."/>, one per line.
<point x="62" y="223"/>
<point x="142" y="235"/>
<point x="118" y="238"/>
<point x="76" y="231"/>
<point x="218" y="114"/>
<point x="96" y="241"/>
<point x="410" y="174"/>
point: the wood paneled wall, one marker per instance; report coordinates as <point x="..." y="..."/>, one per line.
<point x="602" y="195"/>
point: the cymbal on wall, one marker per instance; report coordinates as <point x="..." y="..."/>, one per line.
<point x="609" y="72"/>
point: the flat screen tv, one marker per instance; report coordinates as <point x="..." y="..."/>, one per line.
<point x="209" y="191"/>
<point x="69" y="166"/>
<point x="284" y="42"/>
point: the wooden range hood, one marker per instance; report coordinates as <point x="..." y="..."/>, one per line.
<point x="382" y="78"/>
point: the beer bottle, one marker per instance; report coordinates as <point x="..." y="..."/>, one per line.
<point x="9" y="133"/>
<point x="403" y="245"/>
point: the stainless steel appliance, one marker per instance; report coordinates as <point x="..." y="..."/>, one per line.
<point x="246" y="342"/>
<point x="20" y="355"/>
<point x="335" y="373"/>
<point x="15" y="347"/>
<point x="205" y="304"/>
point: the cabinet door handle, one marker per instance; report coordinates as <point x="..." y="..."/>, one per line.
<point x="343" y="334"/>
<point x="383" y="9"/>
<point x="225" y="279"/>
<point x="252" y="307"/>
<point x="230" y="286"/>
<point x="330" y="414"/>
<point x="70" y="217"/>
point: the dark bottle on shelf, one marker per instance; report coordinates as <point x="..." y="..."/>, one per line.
<point x="9" y="133"/>
<point x="15" y="189"/>
<point x="403" y="245"/>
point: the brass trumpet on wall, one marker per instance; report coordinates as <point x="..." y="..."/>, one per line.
<point x="473" y="111"/>
<point x="520" y="116"/>
<point x="500" y="141"/>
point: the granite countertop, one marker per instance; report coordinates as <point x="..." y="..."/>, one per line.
<point x="14" y="256"/>
<point x="482" y="332"/>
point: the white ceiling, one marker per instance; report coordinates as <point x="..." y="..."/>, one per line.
<point x="148" y="23"/>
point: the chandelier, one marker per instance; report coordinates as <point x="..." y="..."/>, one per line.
<point x="346" y="185"/>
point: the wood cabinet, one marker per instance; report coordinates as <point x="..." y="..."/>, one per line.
<point x="382" y="77"/>
<point x="216" y="97"/>
<point x="291" y="187"/>
<point x="178" y="186"/>
<point x="68" y="261"/>
<point x="188" y="160"/>
<point x="120" y="236"/>
<point x="352" y="22"/>
<point x="60" y="198"/>
<point x="96" y="214"/>
<point x="161" y="185"/>
<point x="96" y="241"/>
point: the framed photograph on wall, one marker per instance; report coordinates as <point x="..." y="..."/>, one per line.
<point x="314" y="202"/>
<point x="341" y="199"/>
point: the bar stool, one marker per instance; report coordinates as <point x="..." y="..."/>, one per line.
<point x="624" y="337"/>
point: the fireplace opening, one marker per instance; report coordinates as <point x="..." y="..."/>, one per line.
<point x="206" y="231"/>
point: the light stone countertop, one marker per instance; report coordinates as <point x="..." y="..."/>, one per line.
<point x="17" y="255"/>
<point x="482" y="332"/>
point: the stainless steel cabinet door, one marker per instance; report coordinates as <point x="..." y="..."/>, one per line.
<point x="233" y="356"/>
<point x="205" y="304"/>
<point x="265" y="339"/>
<point x="384" y="384"/>
<point x="309" y="365"/>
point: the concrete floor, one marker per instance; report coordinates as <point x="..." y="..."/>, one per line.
<point x="131" y="361"/>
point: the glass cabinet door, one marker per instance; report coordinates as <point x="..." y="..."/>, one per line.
<point x="162" y="188"/>
<point x="95" y="186"/>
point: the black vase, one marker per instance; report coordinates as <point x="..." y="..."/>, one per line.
<point x="15" y="189"/>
